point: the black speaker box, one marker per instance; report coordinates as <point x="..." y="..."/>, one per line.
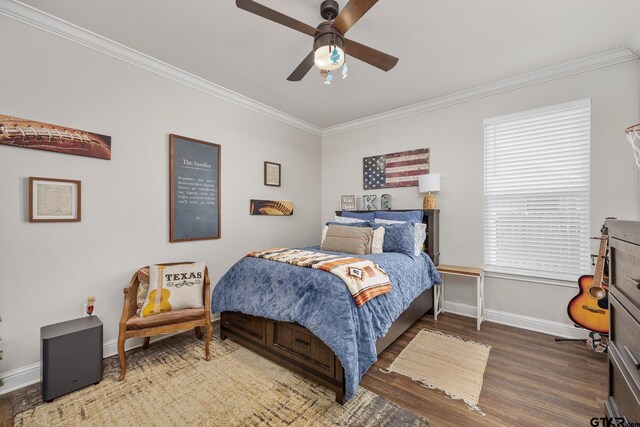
<point x="71" y="356"/>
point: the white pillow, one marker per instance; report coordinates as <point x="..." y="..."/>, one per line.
<point x="345" y="220"/>
<point x="419" y="233"/>
<point x="376" y="242"/>
<point x="180" y="287"/>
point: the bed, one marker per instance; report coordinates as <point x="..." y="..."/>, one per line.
<point x="306" y="319"/>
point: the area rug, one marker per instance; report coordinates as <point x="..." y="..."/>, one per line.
<point x="451" y="364"/>
<point x="171" y="384"/>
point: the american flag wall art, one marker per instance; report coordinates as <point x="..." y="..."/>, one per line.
<point x="395" y="170"/>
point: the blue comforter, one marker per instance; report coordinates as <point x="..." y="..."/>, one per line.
<point x="321" y="302"/>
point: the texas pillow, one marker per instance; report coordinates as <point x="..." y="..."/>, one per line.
<point x="174" y="287"/>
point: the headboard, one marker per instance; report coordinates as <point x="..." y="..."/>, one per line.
<point x="431" y="217"/>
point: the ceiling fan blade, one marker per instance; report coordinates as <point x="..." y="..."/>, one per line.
<point x="302" y="70"/>
<point x="275" y="16"/>
<point x="370" y="55"/>
<point x="351" y="13"/>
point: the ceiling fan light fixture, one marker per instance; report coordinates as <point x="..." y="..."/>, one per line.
<point x="328" y="58"/>
<point x="328" y="48"/>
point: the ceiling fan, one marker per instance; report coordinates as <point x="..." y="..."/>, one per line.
<point x="330" y="46"/>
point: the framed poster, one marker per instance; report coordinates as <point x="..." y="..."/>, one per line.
<point x="272" y="174"/>
<point x="54" y="200"/>
<point x="194" y="189"/>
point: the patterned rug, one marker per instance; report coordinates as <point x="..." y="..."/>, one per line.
<point x="172" y="384"/>
<point x="445" y="362"/>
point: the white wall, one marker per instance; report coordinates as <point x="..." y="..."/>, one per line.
<point x="455" y="136"/>
<point x="47" y="270"/>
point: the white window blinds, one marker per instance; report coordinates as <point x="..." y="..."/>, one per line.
<point x="536" y="192"/>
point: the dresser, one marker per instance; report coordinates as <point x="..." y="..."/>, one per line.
<point x="624" y="311"/>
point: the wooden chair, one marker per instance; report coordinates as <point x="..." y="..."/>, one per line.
<point x="132" y="325"/>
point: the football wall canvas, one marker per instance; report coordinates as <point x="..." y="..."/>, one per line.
<point x="60" y="139"/>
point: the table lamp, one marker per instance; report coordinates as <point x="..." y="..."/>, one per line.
<point x="427" y="184"/>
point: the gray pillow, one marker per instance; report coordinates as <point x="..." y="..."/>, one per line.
<point x="351" y="240"/>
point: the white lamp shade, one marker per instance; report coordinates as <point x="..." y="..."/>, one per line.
<point x="429" y="183"/>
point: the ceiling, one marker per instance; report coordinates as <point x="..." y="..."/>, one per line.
<point x="444" y="46"/>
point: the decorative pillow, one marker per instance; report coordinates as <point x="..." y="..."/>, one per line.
<point x="398" y="237"/>
<point x="377" y="240"/>
<point x="143" y="288"/>
<point x="419" y="233"/>
<point x="174" y="287"/>
<point x="351" y="240"/>
<point x="419" y="236"/>
<point x="415" y="216"/>
<point x="365" y="216"/>
<point x="345" y="220"/>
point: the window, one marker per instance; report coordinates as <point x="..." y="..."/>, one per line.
<point x="536" y="192"/>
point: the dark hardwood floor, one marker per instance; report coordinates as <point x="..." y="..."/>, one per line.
<point x="530" y="380"/>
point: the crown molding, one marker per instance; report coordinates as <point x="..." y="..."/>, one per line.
<point x="634" y="42"/>
<point x="43" y="21"/>
<point x="605" y="59"/>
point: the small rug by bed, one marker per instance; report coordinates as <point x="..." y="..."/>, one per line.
<point x="448" y="363"/>
<point x="172" y="384"/>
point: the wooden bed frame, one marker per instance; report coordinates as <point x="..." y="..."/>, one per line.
<point x="297" y="349"/>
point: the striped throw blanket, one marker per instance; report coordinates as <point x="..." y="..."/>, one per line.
<point x="364" y="278"/>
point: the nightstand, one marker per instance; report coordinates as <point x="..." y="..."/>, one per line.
<point x="477" y="273"/>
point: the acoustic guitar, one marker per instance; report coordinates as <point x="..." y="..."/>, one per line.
<point x="158" y="298"/>
<point x="590" y="308"/>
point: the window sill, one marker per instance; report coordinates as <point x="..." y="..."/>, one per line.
<point x="531" y="279"/>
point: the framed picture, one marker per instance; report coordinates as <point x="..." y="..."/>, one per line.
<point x="272" y="174"/>
<point x="54" y="200"/>
<point x="348" y="202"/>
<point x="194" y="189"/>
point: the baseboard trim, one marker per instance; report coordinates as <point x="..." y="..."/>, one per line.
<point x="549" y="327"/>
<point x="30" y="374"/>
